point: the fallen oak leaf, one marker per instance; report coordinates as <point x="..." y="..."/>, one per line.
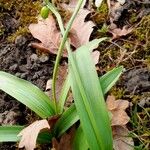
<point x="115" y="104"/>
<point x="121" y="140"/>
<point x="29" y="134"/>
<point x="46" y="31"/>
<point x="117" y="32"/>
<point x="81" y="30"/>
<point x="120" y="117"/>
<point x="117" y="109"/>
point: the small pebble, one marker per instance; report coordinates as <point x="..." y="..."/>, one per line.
<point x="34" y="57"/>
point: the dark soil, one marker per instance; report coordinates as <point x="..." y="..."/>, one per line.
<point x="23" y="62"/>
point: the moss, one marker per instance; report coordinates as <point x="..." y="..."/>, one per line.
<point x="101" y="14"/>
<point x="25" y="12"/>
<point x="133" y="18"/>
<point x="2" y="29"/>
<point x="117" y="92"/>
<point x="136" y="45"/>
<point x="21" y="31"/>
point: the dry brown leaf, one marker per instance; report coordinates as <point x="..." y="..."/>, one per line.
<point x="119" y="117"/>
<point x="121" y="139"/>
<point x="80" y="31"/>
<point x="116" y="9"/>
<point x="46" y="31"/>
<point x="117" y="109"/>
<point x="29" y="134"/>
<point x="117" y="32"/>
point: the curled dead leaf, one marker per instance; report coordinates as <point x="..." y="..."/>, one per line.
<point x="117" y="109"/>
<point x="29" y="134"/>
<point x="46" y="32"/>
<point x="80" y="31"/>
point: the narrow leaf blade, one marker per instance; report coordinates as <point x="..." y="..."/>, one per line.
<point x="89" y="99"/>
<point x="110" y="78"/>
<point x="64" y="94"/>
<point x="9" y="133"/>
<point x="68" y="118"/>
<point x="106" y="81"/>
<point x="27" y="93"/>
<point x="80" y="142"/>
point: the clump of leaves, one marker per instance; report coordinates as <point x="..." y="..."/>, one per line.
<point x="88" y="91"/>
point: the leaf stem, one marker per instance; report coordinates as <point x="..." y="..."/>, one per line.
<point x="64" y="39"/>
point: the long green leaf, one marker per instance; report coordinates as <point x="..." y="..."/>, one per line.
<point x="68" y="118"/>
<point x="106" y="82"/>
<point x="89" y="99"/>
<point x="27" y="93"/>
<point x="110" y="78"/>
<point x="80" y="142"/>
<point x="9" y="134"/>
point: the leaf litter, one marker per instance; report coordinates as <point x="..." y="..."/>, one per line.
<point x="46" y="32"/>
<point x="51" y="40"/>
<point x="119" y="119"/>
<point x="115" y="12"/>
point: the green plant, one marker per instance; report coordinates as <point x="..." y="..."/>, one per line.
<point x="88" y="92"/>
